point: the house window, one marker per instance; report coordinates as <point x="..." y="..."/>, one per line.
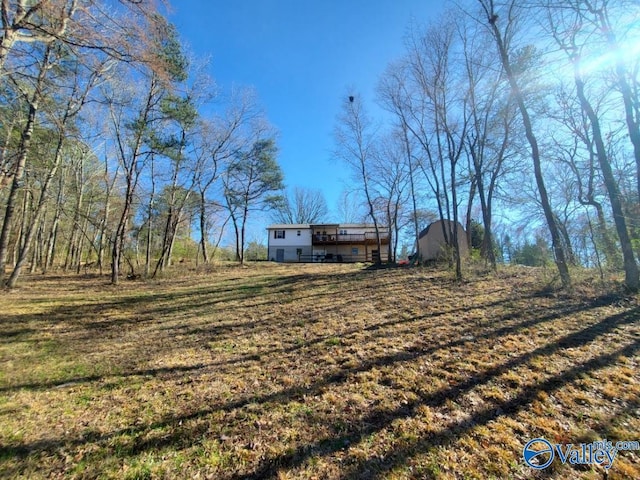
<point x="354" y="251"/>
<point x="278" y="234"/>
<point x="298" y="232"/>
<point x="343" y="232"/>
<point x="299" y="252"/>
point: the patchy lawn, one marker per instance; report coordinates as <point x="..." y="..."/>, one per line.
<point x="312" y="371"/>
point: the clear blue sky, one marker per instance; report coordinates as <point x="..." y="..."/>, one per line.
<point x="301" y="57"/>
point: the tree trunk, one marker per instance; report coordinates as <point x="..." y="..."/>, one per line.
<point x="23" y="151"/>
<point x="27" y="202"/>
<point x="630" y="266"/>
<point x="147" y="257"/>
<point x="82" y="238"/>
<point x="118" y="241"/>
<point x="203" y="227"/>
<point x="556" y="241"/>
<point x="414" y="204"/>
<point x="245" y="214"/>
<point x="472" y="194"/>
<point x="53" y="232"/>
<point x="234" y="220"/>
<point x="456" y="241"/>
<point x="486" y="249"/>
<point x="16" y="185"/>
<point x="36" y="251"/>
<point x="35" y="219"/>
<point x="70" y="260"/>
<point x="611" y="254"/>
<point x="104" y="222"/>
<point x="595" y="247"/>
<point x="172" y="238"/>
<point x="566" y="239"/>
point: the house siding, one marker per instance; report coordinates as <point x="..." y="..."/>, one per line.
<point x="345" y="252"/>
<point x="324" y="243"/>
<point x="297" y="238"/>
<point x="432" y="243"/>
<point x="290" y="252"/>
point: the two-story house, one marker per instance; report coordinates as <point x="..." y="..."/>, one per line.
<point x="326" y="242"/>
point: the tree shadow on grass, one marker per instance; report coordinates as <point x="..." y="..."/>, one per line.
<point x="181" y="429"/>
<point x="377" y="420"/>
<point x="183" y="432"/>
<point x="12" y="335"/>
<point x="77" y="328"/>
<point x="226" y="331"/>
<point x="378" y="467"/>
<point x="605" y="430"/>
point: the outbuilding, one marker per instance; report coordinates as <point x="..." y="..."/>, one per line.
<point x="437" y="237"/>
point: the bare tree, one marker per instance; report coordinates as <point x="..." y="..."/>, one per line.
<point x="391" y="181"/>
<point x="440" y="93"/>
<point x="33" y="96"/>
<point x="355" y="140"/>
<point x="116" y="29"/>
<point x="304" y="205"/>
<point x="349" y="208"/>
<point x="565" y="29"/>
<point x="491" y="116"/>
<point x="502" y="36"/>
<point x="181" y="112"/>
<point x="134" y="111"/>
<point x="612" y="23"/>
<point x="129" y="142"/>
<point x="83" y="79"/>
<point x="220" y="139"/>
<point x="392" y="92"/>
<point x="48" y="28"/>
<point x="427" y="94"/>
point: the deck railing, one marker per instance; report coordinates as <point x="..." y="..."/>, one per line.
<point x="333" y="238"/>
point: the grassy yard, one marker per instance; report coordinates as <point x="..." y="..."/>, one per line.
<point x="318" y="372"/>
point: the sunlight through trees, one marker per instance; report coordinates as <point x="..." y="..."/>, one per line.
<point x="118" y="153"/>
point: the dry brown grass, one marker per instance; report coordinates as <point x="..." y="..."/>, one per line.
<point x="303" y="371"/>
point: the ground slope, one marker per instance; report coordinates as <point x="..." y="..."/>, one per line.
<point x="302" y="371"/>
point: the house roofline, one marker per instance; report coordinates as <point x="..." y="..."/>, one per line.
<point x="292" y="226"/>
<point x="426" y="230"/>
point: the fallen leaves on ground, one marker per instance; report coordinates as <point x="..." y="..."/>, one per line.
<point x="313" y="371"/>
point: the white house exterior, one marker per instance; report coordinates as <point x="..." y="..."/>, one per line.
<point x="335" y="242"/>
<point x="289" y="242"/>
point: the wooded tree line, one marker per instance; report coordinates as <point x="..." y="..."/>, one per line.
<point x="106" y="156"/>
<point x="523" y="116"/>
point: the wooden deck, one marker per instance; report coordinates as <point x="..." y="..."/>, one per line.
<point x="350" y="239"/>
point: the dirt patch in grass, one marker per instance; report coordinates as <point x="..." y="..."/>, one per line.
<point x="303" y="371"/>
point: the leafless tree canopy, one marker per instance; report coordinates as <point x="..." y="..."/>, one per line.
<point x="518" y="119"/>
